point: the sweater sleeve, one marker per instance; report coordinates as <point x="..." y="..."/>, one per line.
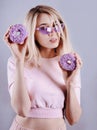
<point x="77" y="86"/>
<point x="10" y="73"/>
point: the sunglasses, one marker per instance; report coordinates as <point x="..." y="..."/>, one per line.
<point x="47" y="30"/>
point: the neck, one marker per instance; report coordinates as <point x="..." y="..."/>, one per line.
<point x="48" y="53"/>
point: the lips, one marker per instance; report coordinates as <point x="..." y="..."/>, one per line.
<point x="53" y="40"/>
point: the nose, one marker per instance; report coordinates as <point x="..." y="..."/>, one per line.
<point x="51" y="32"/>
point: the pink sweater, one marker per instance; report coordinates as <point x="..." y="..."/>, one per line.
<point x="46" y="87"/>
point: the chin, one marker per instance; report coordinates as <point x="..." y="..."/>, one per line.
<point x="56" y="45"/>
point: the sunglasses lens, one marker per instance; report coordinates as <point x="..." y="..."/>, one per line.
<point x="56" y="28"/>
<point x="62" y="25"/>
<point x="43" y="30"/>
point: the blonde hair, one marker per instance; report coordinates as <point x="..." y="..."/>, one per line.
<point x="30" y="24"/>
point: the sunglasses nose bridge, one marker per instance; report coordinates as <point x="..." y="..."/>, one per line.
<point x="50" y="30"/>
<point x="53" y="29"/>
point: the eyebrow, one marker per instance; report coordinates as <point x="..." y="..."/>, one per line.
<point x="44" y="24"/>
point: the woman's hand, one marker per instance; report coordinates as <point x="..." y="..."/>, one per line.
<point x="17" y="50"/>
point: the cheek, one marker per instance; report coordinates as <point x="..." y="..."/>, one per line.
<point x="58" y="35"/>
<point x="40" y="38"/>
<point x="36" y="36"/>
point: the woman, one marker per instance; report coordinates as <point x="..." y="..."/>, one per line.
<point x="42" y="93"/>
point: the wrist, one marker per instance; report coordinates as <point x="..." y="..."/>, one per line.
<point x="70" y="84"/>
<point x="19" y="63"/>
<point x="70" y="87"/>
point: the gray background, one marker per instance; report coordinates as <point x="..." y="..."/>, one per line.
<point x="81" y="18"/>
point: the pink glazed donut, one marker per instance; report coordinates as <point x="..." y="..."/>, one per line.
<point x="18" y="33"/>
<point x="68" y="62"/>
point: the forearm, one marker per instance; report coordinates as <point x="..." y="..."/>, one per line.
<point x="73" y="109"/>
<point x="20" y="99"/>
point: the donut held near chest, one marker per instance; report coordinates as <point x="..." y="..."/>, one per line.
<point x="68" y="62"/>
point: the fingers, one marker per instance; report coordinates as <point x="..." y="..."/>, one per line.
<point x="6" y="37"/>
<point x="79" y="62"/>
